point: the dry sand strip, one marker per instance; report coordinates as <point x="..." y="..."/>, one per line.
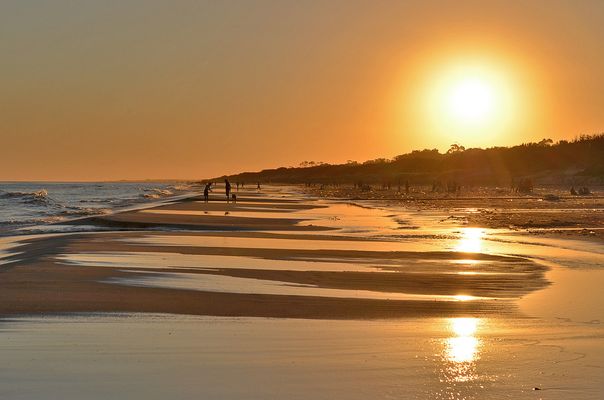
<point x="248" y="204"/>
<point x="47" y="287"/>
<point x="141" y="219"/>
<point x="503" y="286"/>
<point x="99" y="242"/>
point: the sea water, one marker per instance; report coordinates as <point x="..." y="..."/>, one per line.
<point x="27" y="204"/>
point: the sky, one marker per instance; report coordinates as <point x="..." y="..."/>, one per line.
<point x="110" y="90"/>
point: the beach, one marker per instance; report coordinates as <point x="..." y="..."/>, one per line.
<point x="319" y="200"/>
<point x="290" y="293"/>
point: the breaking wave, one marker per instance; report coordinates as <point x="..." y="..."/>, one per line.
<point x="157" y="193"/>
<point x="40" y="196"/>
<point x="181" y="188"/>
<point x="28" y="204"/>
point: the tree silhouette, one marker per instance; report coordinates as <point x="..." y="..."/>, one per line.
<point x="456" y="148"/>
<point x="567" y="161"/>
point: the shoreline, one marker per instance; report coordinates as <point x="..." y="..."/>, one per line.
<point x="568" y="216"/>
<point x="278" y="221"/>
<point x="340" y="300"/>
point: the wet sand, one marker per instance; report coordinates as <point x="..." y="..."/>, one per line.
<point x="145" y="356"/>
<point x="50" y="274"/>
<point x="370" y="271"/>
<point x="549" y="210"/>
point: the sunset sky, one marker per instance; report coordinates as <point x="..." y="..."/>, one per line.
<point x="100" y="90"/>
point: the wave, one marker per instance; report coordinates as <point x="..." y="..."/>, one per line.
<point x="40" y="196"/>
<point x="181" y="188"/>
<point x="26" y="206"/>
<point x="156" y="193"/>
<point x="55" y="218"/>
<point x="83" y="211"/>
<point x="46" y="229"/>
<point x="32" y="221"/>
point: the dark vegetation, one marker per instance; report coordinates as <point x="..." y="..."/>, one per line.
<point x="580" y="161"/>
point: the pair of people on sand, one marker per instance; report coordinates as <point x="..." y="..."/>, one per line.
<point x="227" y="188"/>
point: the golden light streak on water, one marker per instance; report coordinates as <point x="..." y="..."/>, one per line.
<point x="471" y="240"/>
<point x="462" y="350"/>
<point x="463" y="297"/>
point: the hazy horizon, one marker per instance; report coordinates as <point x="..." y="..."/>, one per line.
<point x="189" y="90"/>
<point x="201" y="177"/>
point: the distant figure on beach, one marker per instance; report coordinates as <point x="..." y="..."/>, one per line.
<point x="524" y="186"/>
<point x="237" y="183"/>
<point x="258" y="186"/>
<point x="206" y="192"/>
<point x="234" y="198"/>
<point x="573" y="192"/>
<point x="227" y="189"/>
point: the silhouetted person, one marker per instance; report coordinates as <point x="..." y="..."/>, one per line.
<point x="206" y="192"/>
<point x="258" y="187"/>
<point x="227" y="189"/>
<point x="573" y="192"/>
<point x="237" y="183"/>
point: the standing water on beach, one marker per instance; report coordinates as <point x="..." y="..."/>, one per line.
<point x="387" y="200"/>
<point x="24" y="204"/>
<point x="310" y="296"/>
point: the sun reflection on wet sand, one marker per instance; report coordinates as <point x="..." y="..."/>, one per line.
<point x="465" y="262"/>
<point x="462" y="350"/>
<point x="464" y="297"/>
<point x="471" y="240"/>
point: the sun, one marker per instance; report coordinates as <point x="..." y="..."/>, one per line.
<point x="474" y="100"/>
<point x="470" y="100"/>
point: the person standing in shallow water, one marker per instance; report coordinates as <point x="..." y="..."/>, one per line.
<point x="227" y="189"/>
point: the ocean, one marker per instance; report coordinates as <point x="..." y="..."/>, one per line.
<point x="28" y="205"/>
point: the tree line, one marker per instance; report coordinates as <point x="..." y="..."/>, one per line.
<point x="571" y="162"/>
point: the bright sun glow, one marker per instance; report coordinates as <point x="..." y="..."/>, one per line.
<point x="471" y="100"/>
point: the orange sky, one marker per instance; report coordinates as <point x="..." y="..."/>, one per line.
<point x="191" y="89"/>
